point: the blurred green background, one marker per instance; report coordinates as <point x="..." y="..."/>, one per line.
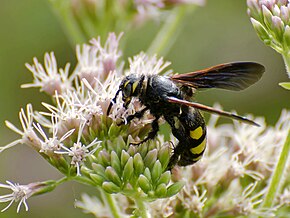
<point x="217" y="33"/>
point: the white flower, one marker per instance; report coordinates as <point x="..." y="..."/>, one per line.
<point x="49" y="78"/>
<point x="247" y="203"/>
<point x="96" y="61"/>
<point x="53" y="143"/>
<point x="28" y="135"/>
<point x="78" y="152"/>
<point x="142" y="64"/>
<point x="19" y="193"/>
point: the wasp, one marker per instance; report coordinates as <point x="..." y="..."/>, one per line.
<point x="168" y="97"/>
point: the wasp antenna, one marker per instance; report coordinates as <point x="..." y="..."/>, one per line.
<point x="112" y="102"/>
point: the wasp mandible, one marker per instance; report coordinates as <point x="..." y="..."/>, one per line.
<point x="168" y="98"/>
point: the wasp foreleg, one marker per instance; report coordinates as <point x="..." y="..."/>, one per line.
<point x="138" y="114"/>
<point x="152" y="134"/>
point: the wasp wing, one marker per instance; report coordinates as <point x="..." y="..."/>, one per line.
<point x="211" y="110"/>
<point x="231" y="76"/>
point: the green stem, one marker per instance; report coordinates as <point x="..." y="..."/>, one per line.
<point x="112" y="204"/>
<point x="276" y="179"/>
<point x="169" y="31"/>
<point x="286" y="59"/>
<point x="142" y="208"/>
<point x="72" y="30"/>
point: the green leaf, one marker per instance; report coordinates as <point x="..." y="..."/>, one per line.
<point x="285" y="85"/>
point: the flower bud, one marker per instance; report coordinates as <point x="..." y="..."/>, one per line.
<point x="112" y="175"/>
<point x="150" y="158"/>
<point x="128" y="170"/>
<point x="124" y="158"/>
<point x="115" y="162"/>
<point x="174" y="188"/>
<point x="138" y="164"/>
<point x="144" y="183"/>
<point x="156" y="171"/>
<point x="161" y="190"/>
<point x="111" y="187"/>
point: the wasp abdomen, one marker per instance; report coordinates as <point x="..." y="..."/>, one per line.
<point x="189" y="128"/>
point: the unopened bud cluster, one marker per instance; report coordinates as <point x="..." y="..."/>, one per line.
<point x="271" y="20"/>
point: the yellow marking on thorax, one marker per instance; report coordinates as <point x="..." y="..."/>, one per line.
<point x="199" y="148"/>
<point x="126" y="83"/>
<point x="197" y="133"/>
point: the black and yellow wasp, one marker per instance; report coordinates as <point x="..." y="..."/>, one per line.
<point x="168" y="98"/>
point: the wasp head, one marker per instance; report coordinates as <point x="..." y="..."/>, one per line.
<point x="130" y="86"/>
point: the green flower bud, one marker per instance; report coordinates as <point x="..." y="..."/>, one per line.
<point x="174" y="188"/>
<point x="286" y="36"/>
<point x="144" y="183"/>
<point x="150" y="158"/>
<point x="128" y="170"/>
<point x="267" y="16"/>
<point x="111" y="187"/>
<point x="97" y="178"/>
<point x="138" y="164"/>
<point x="164" y="155"/>
<point x="124" y="158"/>
<point x="112" y="175"/>
<point x="104" y="158"/>
<point x="261" y="31"/>
<point x="99" y="169"/>
<point x="147" y="173"/>
<point x="131" y="150"/>
<point x="278" y="27"/>
<point x="161" y="190"/>
<point x="156" y="171"/>
<point x="115" y="162"/>
<point x="164" y="178"/>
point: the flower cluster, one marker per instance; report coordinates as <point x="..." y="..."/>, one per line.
<point x="271" y="20"/>
<point x="76" y="135"/>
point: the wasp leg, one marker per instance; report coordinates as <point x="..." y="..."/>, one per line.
<point x="152" y="134"/>
<point x="138" y="114"/>
<point x="179" y="132"/>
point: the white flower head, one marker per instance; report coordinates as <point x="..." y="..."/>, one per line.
<point x="143" y="64"/>
<point x="19" y="193"/>
<point x="53" y="143"/>
<point x="79" y="151"/>
<point x="49" y="78"/>
<point x="28" y="135"/>
<point x="96" y="61"/>
<point x="248" y="203"/>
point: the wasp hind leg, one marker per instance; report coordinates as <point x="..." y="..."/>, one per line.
<point x="152" y="134"/>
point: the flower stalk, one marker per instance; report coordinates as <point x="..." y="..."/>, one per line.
<point x="170" y="30"/>
<point x="276" y="179"/>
